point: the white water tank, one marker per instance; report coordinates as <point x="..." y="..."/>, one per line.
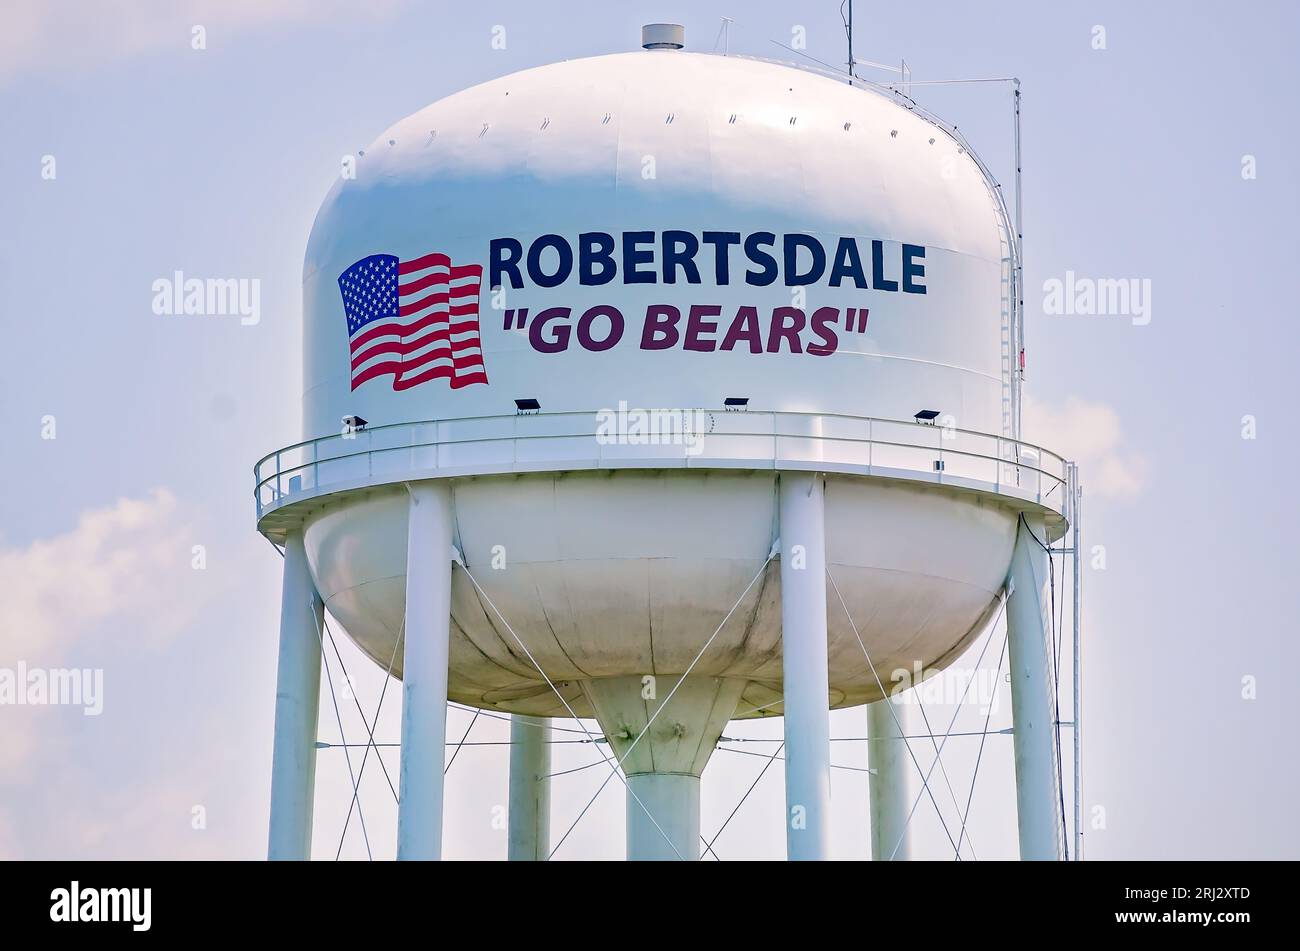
<point x="796" y="265"/>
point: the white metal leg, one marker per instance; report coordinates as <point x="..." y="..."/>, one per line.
<point x="1076" y="597"/>
<point x="530" y="789"/>
<point x="890" y="767"/>
<point x="806" y="675"/>
<point x="297" y="705"/>
<point x="663" y="729"/>
<point x="1038" y="802"/>
<point x="424" y="671"/>
<point x="673" y="799"/>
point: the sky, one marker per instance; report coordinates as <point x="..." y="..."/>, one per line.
<point x="1157" y="146"/>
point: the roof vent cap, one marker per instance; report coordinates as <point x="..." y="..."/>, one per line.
<point x="663" y="36"/>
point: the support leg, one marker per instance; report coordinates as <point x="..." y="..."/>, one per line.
<point x="424" y="671"/>
<point x="530" y="789"/>
<point x="1038" y="804"/>
<point x="890" y="765"/>
<point x="297" y="705"/>
<point x="806" y="675"/>
<point x="663" y="729"/>
<point x="674" y="801"/>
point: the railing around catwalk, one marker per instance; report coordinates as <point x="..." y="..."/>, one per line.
<point x="662" y="439"/>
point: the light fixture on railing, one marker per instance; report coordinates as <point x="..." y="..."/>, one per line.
<point x="527" y="407"/>
<point x="927" y="416"/>
<point x="736" y="403"/>
<point x="353" y="424"/>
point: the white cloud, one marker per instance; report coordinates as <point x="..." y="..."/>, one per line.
<point x="118" y="589"/>
<point x="1092" y="435"/>
<point x="123" y="572"/>
<point x="59" y="35"/>
<point x="9" y="850"/>
<point x="130" y="561"/>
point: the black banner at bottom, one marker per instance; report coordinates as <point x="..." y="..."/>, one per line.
<point x="219" y="899"/>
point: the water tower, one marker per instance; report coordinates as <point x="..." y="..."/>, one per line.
<point x="665" y="389"/>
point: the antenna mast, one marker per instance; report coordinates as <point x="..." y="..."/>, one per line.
<point x="848" y="29"/>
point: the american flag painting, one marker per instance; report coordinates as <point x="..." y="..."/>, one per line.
<point x="414" y="320"/>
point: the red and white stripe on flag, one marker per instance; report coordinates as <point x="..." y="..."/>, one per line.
<point x="435" y="333"/>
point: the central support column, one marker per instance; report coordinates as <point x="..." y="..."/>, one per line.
<point x="424" y="671"/>
<point x="530" y="789"/>
<point x="890" y="765"/>
<point x="806" y="674"/>
<point x="1038" y="802"/>
<point x="663" y="753"/>
<point x="297" y="707"/>
<point x="673" y="801"/>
